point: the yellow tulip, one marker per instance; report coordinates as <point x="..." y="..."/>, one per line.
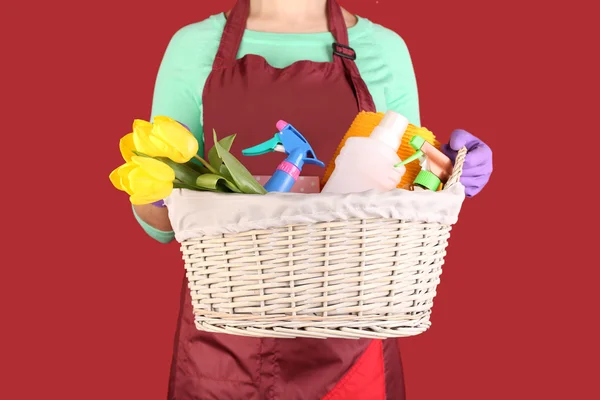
<point x="146" y="180"/>
<point x="165" y="138"/>
<point x="120" y="177"/>
<point x="127" y="146"/>
<point x="175" y="136"/>
<point x="144" y="142"/>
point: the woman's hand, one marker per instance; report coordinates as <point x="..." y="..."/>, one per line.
<point x="477" y="168"/>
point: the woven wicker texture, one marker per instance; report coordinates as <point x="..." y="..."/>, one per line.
<point x="370" y="278"/>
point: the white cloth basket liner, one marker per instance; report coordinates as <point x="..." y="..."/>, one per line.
<point x="195" y="214"/>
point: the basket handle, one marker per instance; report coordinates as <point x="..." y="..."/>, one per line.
<point x="458" y="167"/>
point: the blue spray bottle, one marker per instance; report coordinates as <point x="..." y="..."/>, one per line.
<point x="289" y="141"/>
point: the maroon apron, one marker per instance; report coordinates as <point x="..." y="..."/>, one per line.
<point x="247" y="97"/>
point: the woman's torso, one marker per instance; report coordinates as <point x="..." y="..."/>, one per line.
<point x="382" y="59"/>
<point x="189" y="59"/>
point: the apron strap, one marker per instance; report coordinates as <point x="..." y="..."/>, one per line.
<point x="342" y="53"/>
<point x="232" y="35"/>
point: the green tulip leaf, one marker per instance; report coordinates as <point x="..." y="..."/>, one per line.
<point x="242" y="178"/>
<point x="216" y="182"/>
<point x="213" y="155"/>
<point x="197" y="166"/>
<point x="225" y="172"/>
<point x="221" y="187"/>
<point x="231" y="186"/>
<point x="183" y="172"/>
<point x="208" y="181"/>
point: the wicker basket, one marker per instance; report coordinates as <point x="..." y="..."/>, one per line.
<point x="369" y="278"/>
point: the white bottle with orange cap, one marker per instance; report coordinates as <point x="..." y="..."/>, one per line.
<point x="370" y="163"/>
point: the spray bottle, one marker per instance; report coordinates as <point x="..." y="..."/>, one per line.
<point x="289" y="141"/>
<point x="367" y="163"/>
<point x="436" y="168"/>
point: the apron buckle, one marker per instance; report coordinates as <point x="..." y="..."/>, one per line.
<point x="344" y="51"/>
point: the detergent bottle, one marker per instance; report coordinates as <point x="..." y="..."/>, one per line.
<point x="436" y="168"/>
<point x="372" y="162"/>
<point x="299" y="152"/>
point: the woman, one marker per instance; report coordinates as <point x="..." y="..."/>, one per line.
<point x="315" y="65"/>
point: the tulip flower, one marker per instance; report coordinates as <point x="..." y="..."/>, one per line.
<point x="177" y="136"/>
<point x="158" y="158"/>
<point x="119" y="177"/>
<point x="165" y="138"/>
<point x="127" y="147"/>
<point x="144" y="142"/>
<point x="145" y="179"/>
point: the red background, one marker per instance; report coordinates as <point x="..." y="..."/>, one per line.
<point x="89" y="303"/>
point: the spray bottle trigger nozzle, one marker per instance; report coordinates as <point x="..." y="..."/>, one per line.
<point x="273" y="144"/>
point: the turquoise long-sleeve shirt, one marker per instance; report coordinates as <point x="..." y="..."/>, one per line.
<point x="382" y="58"/>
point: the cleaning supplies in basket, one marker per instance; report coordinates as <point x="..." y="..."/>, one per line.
<point x="363" y="125"/>
<point x="436" y="168"/>
<point x="288" y="140"/>
<point x="369" y="163"/>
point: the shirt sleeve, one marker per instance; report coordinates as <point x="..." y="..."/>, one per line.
<point x="401" y="93"/>
<point x="176" y="91"/>
<point x="176" y="96"/>
<point x="156" y="234"/>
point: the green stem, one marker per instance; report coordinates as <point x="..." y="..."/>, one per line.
<point x="206" y="164"/>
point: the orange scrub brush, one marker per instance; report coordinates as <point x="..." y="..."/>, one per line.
<point x="363" y="125"/>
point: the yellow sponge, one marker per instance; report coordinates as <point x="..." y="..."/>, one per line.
<point x="363" y="125"/>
